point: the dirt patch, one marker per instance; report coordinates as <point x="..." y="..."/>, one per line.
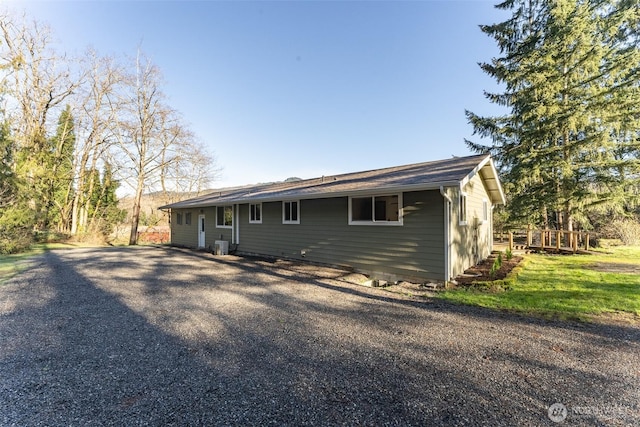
<point x="482" y="271"/>
<point x="412" y="289"/>
<point x="614" y="267"/>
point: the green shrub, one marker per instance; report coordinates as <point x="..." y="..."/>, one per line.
<point x="497" y="263"/>
<point x="15" y="241"/>
<point x="509" y="254"/>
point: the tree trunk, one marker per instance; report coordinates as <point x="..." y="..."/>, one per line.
<point x="135" y="213"/>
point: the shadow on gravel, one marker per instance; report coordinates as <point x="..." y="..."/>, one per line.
<point x="248" y="266"/>
<point x="128" y="336"/>
<point x="84" y="358"/>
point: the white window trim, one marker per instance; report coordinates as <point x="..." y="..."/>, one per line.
<point x="485" y="211"/>
<point x="462" y="209"/>
<point x="224" y="207"/>
<point x="297" y="202"/>
<point x="373" y="222"/>
<point x="254" y="221"/>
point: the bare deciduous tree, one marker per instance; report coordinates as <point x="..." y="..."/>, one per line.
<point x="156" y="150"/>
<point x="139" y="133"/>
<point x="116" y="119"/>
<point x="97" y="111"/>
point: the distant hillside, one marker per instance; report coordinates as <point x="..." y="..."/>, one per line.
<point x="150" y="214"/>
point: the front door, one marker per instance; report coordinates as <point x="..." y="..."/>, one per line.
<point x="201" y="231"/>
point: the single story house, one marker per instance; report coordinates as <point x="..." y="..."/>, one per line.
<point x="419" y="222"/>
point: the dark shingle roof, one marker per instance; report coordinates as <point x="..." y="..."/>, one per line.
<point x="413" y="177"/>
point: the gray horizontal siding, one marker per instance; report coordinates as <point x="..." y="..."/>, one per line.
<point x="187" y="235"/>
<point x="471" y="242"/>
<point x="183" y="234"/>
<point x="413" y="250"/>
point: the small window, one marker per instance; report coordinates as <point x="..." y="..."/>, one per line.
<point x="463" y="208"/>
<point x="224" y="217"/>
<point x="255" y="213"/>
<point x="382" y="210"/>
<point x="291" y="212"/>
<point x="187" y="218"/>
<point x="485" y="210"/>
<point x="179" y="218"/>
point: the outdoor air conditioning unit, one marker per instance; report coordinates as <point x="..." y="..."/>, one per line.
<point x="221" y="247"/>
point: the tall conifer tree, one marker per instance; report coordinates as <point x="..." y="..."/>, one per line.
<point x="570" y="69"/>
<point x="59" y="195"/>
<point x="7" y="176"/>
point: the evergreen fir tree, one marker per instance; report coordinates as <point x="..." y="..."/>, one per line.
<point x="7" y="176"/>
<point x="59" y="195"/>
<point x="15" y="222"/>
<point x="103" y="208"/>
<point x="571" y="76"/>
<point x="112" y="213"/>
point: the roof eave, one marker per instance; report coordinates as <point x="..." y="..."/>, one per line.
<point x="497" y="194"/>
<point x="318" y="195"/>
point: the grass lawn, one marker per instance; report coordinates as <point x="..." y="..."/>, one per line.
<point x="13" y="264"/>
<point x="568" y="286"/>
<point x="10" y="265"/>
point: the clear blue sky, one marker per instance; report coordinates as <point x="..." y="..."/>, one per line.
<point x="302" y="88"/>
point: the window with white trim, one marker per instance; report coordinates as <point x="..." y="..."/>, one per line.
<point x="291" y="212"/>
<point x="485" y="210"/>
<point x="462" y="206"/>
<point x="224" y="217"/>
<point x="179" y="218"/>
<point x="255" y="213"/>
<point x="187" y="218"/>
<point x="378" y="210"/>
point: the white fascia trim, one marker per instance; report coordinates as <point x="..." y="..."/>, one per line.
<point x="475" y="170"/>
<point x="487" y="161"/>
<point x="302" y="196"/>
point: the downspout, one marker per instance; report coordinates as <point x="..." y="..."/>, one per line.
<point x="236" y="223"/>
<point x="491" y="228"/>
<point x="447" y="232"/>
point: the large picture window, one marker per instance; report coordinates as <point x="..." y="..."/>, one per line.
<point x="381" y="210"/>
<point x="224" y="217"/>
<point x="291" y="212"/>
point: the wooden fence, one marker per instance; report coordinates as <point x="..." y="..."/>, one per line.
<point x="553" y="240"/>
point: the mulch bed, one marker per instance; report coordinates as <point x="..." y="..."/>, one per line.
<point x="482" y="271"/>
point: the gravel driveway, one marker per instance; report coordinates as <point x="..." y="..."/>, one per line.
<point x="160" y="336"/>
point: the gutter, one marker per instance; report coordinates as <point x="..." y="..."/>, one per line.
<point x="284" y="196"/>
<point x="447" y="237"/>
